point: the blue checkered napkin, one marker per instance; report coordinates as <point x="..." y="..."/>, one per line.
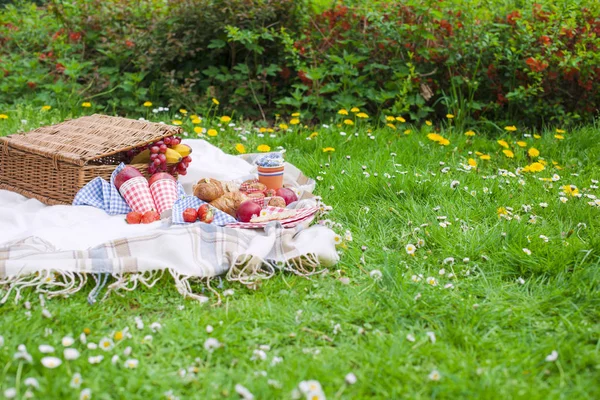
<point x="221" y="218"/>
<point x="101" y="194"/>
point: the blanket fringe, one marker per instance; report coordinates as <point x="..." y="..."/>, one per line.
<point x="247" y="270"/>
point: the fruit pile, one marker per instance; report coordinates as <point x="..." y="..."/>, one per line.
<point x="166" y="155"/>
<point x="203" y="214"/>
<point x="242" y="202"/>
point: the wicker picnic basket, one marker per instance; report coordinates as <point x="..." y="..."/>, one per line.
<point x="52" y="163"/>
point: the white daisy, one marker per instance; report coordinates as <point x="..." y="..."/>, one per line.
<point x="68" y="341"/>
<point x="410" y="249"/>
<point x="71" y="354"/>
<point x="434" y="375"/>
<point x="244" y="392"/>
<point x="86" y="394"/>
<point x="211" y="344"/>
<point x="350" y="378"/>
<point x="131" y="363"/>
<point x="32" y="382"/>
<point x="51" y="362"/>
<point x="106" y="344"/>
<point x="95" y="359"/>
<point x="46" y="349"/>
<point x="552" y="356"/>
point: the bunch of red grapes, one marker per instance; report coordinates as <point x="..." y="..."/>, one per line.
<point x="160" y="159"/>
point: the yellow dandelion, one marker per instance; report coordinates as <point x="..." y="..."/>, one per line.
<point x="503" y="143"/>
<point x="86" y="104"/>
<point x="391" y="125"/>
<point x="434" y="137"/>
<point x="400" y="119"/>
<point x="469" y="133"/>
<point x="502" y="211"/>
<point x="533" y="152"/>
<point x="362" y="115"/>
<point x="183" y="111"/>
<point x="536" y="136"/>
<point x="348" y="122"/>
<point x="46" y="108"/>
<point x="177" y="122"/>
<point x="510" y="128"/>
<point x="198" y="129"/>
<point x="407" y="132"/>
<point x="508" y="153"/>
<point x="428" y="123"/>
<point x="313" y="135"/>
<point x="472" y="163"/>
<point x="212" y="132"/>
<point x="215" y="101"/>
<point x="148" y="104"/>
<point x="3" y="116"/>
<point x="196" y="121"/>
<point x="354" y="110"/>
<point x="559" y="137"/>
<point x="225" y="119"/>
<point x="270" y="130"/>
<point x="240" y="148"/>
<point x="296" y="114"/>
<point x="294" y="121"/>
<point x="262" y="130"/>
<point x="560" y="131"/>
<point x="389" y="118"/>
<point x="283" y="126"/>
<point x="263" y="148"/>
<point x="449" y="116"/>
<point x="485" y="157"/>
<point x="570" y="190"/>
<point x="343" y="111"/>
<point x="521" y="143"/>
<point x="444" y="142"/>
<point x="536" y="167"/>
<point x="328" y="150"/>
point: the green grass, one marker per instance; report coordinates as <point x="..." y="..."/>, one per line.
<point x="492" y="332"/>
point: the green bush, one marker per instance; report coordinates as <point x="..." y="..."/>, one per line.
<point x="535" y="64"/>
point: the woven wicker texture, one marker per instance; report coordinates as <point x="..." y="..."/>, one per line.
<point x="52" y="163"/>
<point x="89" y="138"/>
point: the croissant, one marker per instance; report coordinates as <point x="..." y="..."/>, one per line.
<point x="208" y="189"/>
<point x="229" y="202"/>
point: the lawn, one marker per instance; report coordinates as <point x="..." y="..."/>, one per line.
<point x="505" y="273"/>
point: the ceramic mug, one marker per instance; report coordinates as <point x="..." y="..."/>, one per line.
<point x="271" y="177"/>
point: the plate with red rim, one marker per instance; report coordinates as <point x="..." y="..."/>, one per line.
<point x="302" y="215"/>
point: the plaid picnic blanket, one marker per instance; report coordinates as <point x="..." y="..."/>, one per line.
<point x="57" y="249"/>
<point x="199" y="252"/>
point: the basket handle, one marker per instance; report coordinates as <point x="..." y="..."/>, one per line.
<point x="55" y="161"/>
<point x="4" y="145"/>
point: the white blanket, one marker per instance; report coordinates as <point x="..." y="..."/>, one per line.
<point x="69" y="241"/>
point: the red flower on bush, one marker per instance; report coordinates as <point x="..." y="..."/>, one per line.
<point x="306" y="80"/>
<point x="60" y="68"/>
<point x="545" y="40"/>
<point x="513" y="17"/>
<point x="75" y="36"/>
<point x="536" y="65"/>
<point x="31" y="85"/>
<point x="129" y="43"/>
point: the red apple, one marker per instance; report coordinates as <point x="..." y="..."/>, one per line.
<point x="159" y="176"/>
<point x="126" y="174"/>
<point x="247" y="210"/>
<point x="288" y="195"/>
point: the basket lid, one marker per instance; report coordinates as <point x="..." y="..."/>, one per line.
<point x="84" y="139"/>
